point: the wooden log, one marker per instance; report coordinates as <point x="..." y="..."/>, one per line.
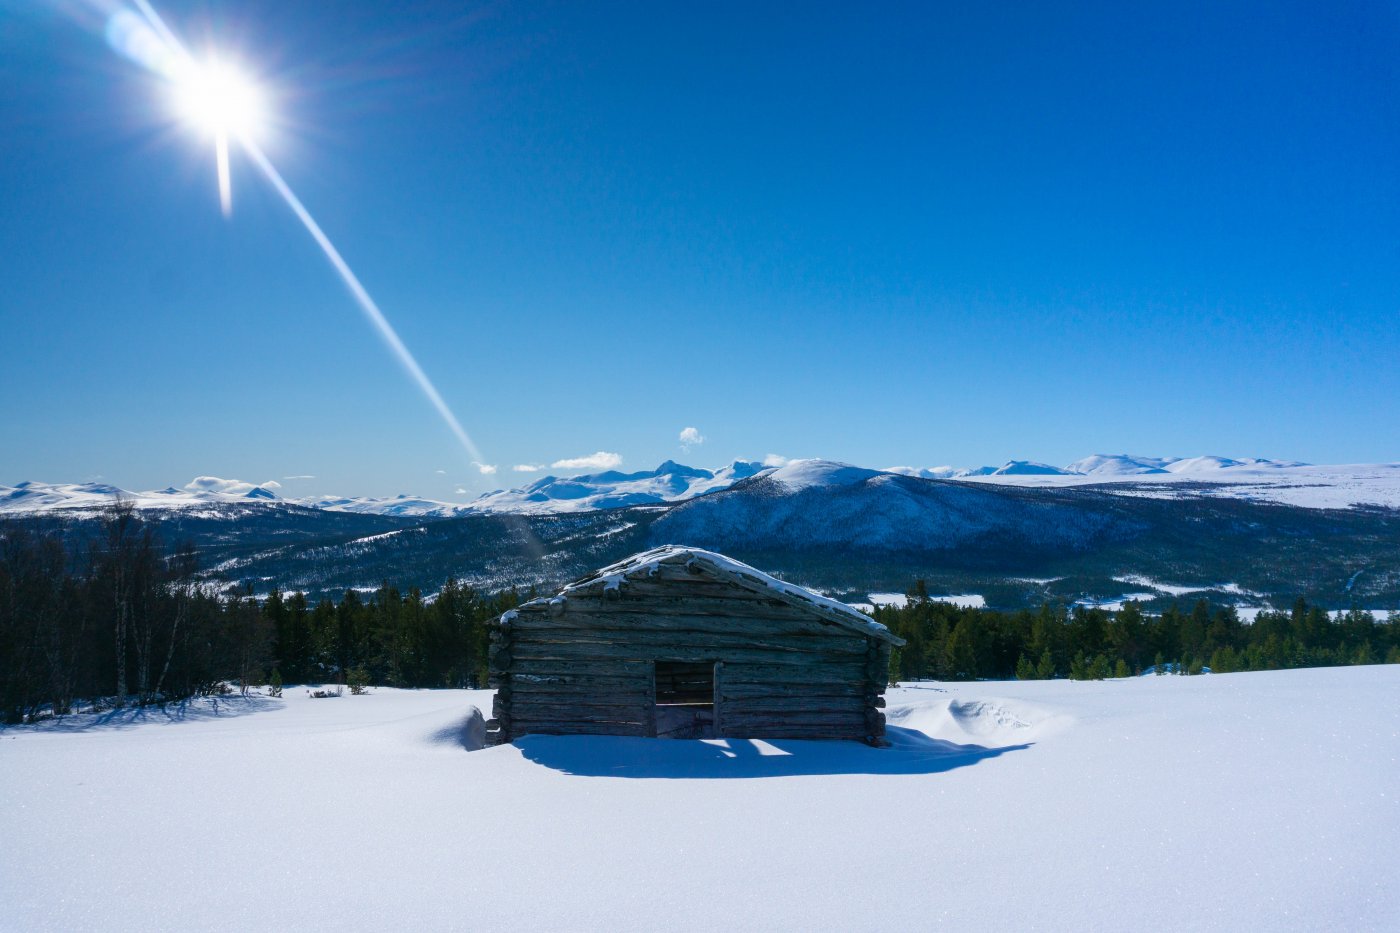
<point x="556" y="727"/>
<point x="527" y="681"/>
<point x="638" y="693"/>
<point x="755" y="706"/>
<point x="598" y="712"/>
<point x="837" y="670"/>
<point x="807" y="644"/>
<point x="530" y="652"/>
<point x="636" y="697"/>
<point x="682" y="621"/>
<point x="606" y="668"/>
<point x="729" y="689"/>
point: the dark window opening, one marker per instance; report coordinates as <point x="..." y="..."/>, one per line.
<point x="685" y="699"/>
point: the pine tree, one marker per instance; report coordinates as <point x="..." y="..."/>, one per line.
<point x="274" y="683"/>
<point x="1024" y="669"/>
<point x="1099" y="669"/>
<point x="358" y="680"/>
<point x="1078" y="669"/>
<point x="1121" y="669"/>
<point x="1045" y="667"/>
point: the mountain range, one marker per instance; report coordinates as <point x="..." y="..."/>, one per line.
<point x="1249" y="532"/>
<point x="1276" y="480"/>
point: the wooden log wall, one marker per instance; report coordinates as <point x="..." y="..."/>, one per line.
<point x="584" y="663"/>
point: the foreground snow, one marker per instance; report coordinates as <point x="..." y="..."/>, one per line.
<point x="1242" y="801"/>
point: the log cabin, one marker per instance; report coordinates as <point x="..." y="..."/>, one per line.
<point x="679" y="642"/>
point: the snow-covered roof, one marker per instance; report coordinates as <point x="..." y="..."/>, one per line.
<point x="733" y="571"/>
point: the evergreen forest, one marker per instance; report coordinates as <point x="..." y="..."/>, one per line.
<point x="128" y="621"/>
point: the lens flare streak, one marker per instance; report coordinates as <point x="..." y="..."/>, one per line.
<point x="226" y="106"/>
<point x="225" y="185"/>
<point x="362" y="297"/>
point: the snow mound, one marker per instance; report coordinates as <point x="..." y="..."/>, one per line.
<point x="469" y="732"/>
<point x="988" y="722"/>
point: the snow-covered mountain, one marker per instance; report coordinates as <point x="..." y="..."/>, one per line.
<point x="670" y="482"/>
<point x="1129" y="465"/>
<point x="1284" y="481"/>
<point x="79" y="497"/>
<point x="820" y="504"/>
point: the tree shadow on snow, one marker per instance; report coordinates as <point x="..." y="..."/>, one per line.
<point x="198" y="709"/>
<point x="910" y="752"/>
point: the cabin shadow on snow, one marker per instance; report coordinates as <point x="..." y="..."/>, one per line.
<point x="910" y="752"/>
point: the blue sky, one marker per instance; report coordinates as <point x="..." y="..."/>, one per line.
<point x="889" y="234"/>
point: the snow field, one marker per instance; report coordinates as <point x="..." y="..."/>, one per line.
<point x="1240" y="801"/>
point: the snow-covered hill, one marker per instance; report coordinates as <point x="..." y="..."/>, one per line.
<point x="1221" y="802"/>
<point x="670" y="482"/>
<point x="820" y="504"/>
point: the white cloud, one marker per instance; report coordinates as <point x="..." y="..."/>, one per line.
<point x="231" y="487"/>
<point x="528" y="467"/>
<point x="485" y="469"/>
<point x="775" y="460"/>
<point x="301" y="476"/>
<point x="691" y="437"/>
<point x="440" y="472"/>
<point x="461" y="491"/>
<point x="602" y="460"/>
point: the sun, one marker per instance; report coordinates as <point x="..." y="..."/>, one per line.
<point x="218" y="99"/>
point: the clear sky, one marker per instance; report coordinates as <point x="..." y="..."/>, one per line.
<point x="889" y="234"/>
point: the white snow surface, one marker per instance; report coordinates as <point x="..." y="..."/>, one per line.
<point x="1222" y="802"/>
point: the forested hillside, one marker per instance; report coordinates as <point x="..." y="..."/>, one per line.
<point x="128" y="617"/>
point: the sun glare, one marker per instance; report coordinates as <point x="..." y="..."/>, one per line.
<point x="217" y="99"/>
